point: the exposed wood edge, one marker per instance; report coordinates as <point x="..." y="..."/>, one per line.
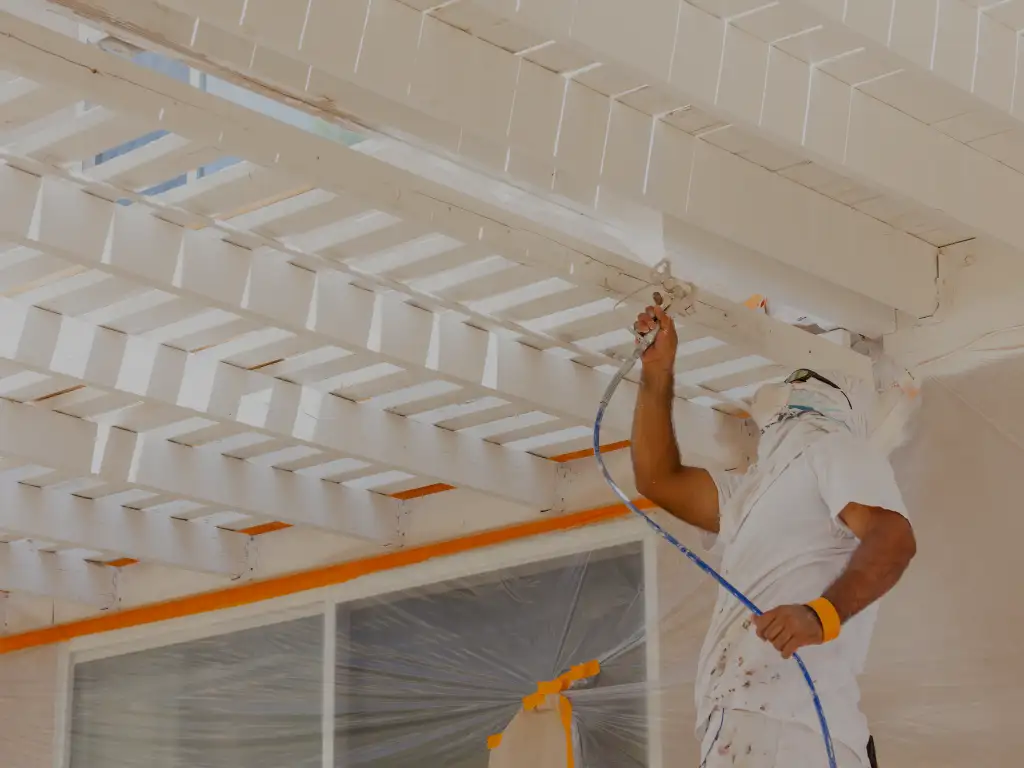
<point x="255" y="592"/>
<point x="121" y="562"/>
<point x="425" y="490"/>
<point x="259" y="530"/>
<point x="564" y="457"/>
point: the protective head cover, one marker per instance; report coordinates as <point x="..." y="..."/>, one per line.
<point x="773" y="400"/>
<point x="817" y="406"/>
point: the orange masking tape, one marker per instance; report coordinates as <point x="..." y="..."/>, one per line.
<point x="557" y="687"/>
<point x="565" y="713"/>
<point x="561" y="683"/>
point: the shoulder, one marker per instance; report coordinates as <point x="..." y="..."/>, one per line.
<point x="851" y="469"/>
<point x="843" y="455"/>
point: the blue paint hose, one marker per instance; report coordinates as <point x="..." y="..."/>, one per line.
<point x="644" y="343"/>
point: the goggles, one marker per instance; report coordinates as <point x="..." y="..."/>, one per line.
<point x="804" y="375"/>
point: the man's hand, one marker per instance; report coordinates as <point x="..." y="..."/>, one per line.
<point x="661" y="355"/>
<point x="789" y="628"/>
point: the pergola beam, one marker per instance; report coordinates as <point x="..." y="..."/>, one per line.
<point x="82" y="448"/>
<point x="641" y="159"/>
<point x="106" y="526"/>
<point x="60" y="345"/>
<point x="334" y="167"/>
<point x="850" y="86"/>
<point x="980" y="319"/>
<point x="326" y="308"/>
<point x="44" y="574"/>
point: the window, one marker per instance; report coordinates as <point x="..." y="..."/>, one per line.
<point x="250" y="699"/>
<point x="422" y="679"/>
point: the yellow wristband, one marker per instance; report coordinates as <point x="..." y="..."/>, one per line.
<point x="828" y="616"/>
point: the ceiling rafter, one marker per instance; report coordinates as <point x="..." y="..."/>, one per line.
<point x="54" y="344"/>
<point x="105" y="525"/>
<point x="262" y="286"/>
<point x="851" y="96"/>
<point x="692" y="178"/>
<point x="84" y="449"/>
<point x="384" y="186"/>
<point x="44" y="574"/>
<point x="693" y="414"/>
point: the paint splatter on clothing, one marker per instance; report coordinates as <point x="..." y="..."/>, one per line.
<point x="738" y="739"/>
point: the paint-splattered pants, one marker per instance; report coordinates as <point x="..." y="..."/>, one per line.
<point x="737" y="739"/>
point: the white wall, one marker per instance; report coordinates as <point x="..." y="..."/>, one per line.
<point x="28" y="687"/>
<point x="945" y="682"/>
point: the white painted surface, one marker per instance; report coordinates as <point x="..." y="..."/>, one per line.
<point x="29" y="702"/>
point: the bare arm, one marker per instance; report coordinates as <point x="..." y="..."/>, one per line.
<point x="688" y="493"/>
<point x="887" y="545"/>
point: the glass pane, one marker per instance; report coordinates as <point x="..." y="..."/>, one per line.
<point x="250" y="699"/>
<point x="423" y="678"/>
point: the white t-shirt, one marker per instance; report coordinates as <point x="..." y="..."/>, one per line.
<point x="789" y="549"/>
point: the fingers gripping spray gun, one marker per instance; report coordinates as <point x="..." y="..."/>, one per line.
<point x="677" y="292"/>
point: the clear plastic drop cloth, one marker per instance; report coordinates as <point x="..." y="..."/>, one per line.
<point x="424" y="678"/>
<point x="251" y="698"/>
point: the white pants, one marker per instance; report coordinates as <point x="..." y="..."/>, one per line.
<point x="737" y="739"/>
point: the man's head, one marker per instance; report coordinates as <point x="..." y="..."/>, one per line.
<point x="804" y="390"/>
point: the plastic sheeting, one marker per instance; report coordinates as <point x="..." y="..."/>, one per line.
<point x="422" y="678"/>
<point x="250" y="698"/>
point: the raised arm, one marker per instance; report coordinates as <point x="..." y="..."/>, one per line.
<point x="688" y="493"/>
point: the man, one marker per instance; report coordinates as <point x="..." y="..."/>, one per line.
<point x="814" y="534"/>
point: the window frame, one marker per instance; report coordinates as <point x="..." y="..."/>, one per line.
<point x="324" y="602"/>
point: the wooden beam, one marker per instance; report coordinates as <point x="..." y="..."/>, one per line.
<point x="44" y="574"/>
<point x="45" y="342"/>
<point x="106" y="526"/>
<point x="762" y="210"/>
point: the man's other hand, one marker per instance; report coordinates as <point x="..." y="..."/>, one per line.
<point x="789" y="628"/>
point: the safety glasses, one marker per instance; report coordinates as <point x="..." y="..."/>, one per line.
<point x="806" y="374"/>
